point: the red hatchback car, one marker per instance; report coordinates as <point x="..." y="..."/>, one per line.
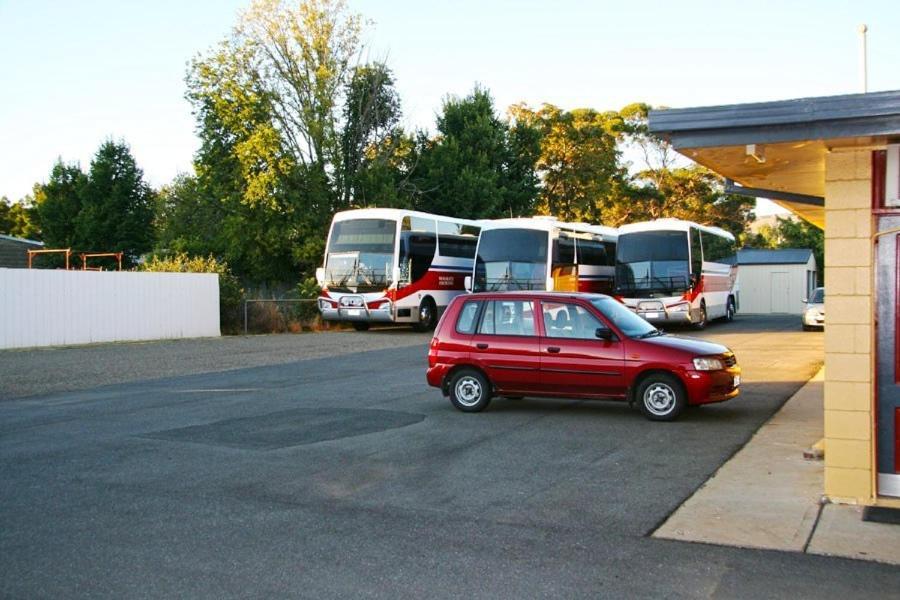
<point x="516" y="344"/>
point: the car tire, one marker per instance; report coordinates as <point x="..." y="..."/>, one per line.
<point x="661" y="397"/>
<point x="470" y="390"/>
<point x="702" y="321"/>
<point x="807" y="327"/>
<point x="730" y="311"/>
<point x="360" y="326"/>
<point x="427" y="316"/>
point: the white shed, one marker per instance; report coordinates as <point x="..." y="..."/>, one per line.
<point x="775" y="281"/>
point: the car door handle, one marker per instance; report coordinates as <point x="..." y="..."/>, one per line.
<point x="481" y="346"/>
<point x="553" y="349"/>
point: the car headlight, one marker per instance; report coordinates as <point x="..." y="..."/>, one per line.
<point x="703" y="363"/>
<point x="683" y="307"/>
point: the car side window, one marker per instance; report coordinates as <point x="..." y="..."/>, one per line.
<point x="466" y="321"/>
<point x="507" y="317"/>
<point x="564" y="320"/>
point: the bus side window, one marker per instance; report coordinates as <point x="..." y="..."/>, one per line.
<point x="716" y="248"/>
<point x="696" y="252"/>
<point x="457" y="240"/>
<point x="595" y="252"/>
<point x="564" y="249"/>
<point x="418" y="243"/>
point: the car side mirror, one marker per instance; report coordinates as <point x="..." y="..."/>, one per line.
<point x="467" y="283"/>
<point x="604" y="333"/>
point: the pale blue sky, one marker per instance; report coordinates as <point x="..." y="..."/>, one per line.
<point x="75" y="73"/>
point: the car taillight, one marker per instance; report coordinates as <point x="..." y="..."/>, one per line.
<point x="433" y="351"/>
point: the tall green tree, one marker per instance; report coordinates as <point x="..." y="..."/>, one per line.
<point x="370" y="138"/>
<point x="579" y="161"/>
<point x="475" y="167"/>
<point x="59" y="203"/>
<point x="291" y="130"/>
<point x="667" y="186"/>
<point x="19" y="219"/>
<point x="117" y="205"/>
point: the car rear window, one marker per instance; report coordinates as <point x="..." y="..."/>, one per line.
<point x="467" y="314"/>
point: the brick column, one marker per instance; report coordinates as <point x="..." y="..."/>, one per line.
<point x="848" y="332"/>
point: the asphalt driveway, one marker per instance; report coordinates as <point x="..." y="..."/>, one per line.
<point x="346" y="476"/>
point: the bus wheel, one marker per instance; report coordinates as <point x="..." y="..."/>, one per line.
<point x="360" y="326"/>
<point x="700" y="323"/>
<point x="730" y="310"/>
<point x="427" y="316"/>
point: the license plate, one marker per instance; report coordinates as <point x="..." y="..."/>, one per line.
<point x="653" y="315"/>
<point x="354" y="312"/>
<point x="737" y="380"/>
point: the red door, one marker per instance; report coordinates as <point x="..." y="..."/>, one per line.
<point x="506" y="347"/>
<point x="573" y="359"/>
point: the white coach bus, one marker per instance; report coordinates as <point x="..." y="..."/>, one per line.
<point x="541" y="253"/>
<point x="676" y="271"/>
<point x="385" y="265"/>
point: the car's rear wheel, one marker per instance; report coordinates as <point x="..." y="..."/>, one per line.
<point x="360" y="326"/>
<point x="470" y="390"/>
<point x="661" y="397"/>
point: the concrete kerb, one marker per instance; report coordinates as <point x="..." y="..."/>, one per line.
<point x="768" y="496"/>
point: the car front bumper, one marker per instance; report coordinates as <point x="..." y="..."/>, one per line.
<point x="707" y="387"/>
<point x="811" y="319"/>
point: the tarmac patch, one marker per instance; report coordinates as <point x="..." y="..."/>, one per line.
<point x="295" y="427"/>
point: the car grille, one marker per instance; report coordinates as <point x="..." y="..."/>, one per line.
<point x="729" y="360"/>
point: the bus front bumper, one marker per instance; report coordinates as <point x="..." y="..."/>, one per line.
<point x="332" y="311"/>
<point x="679" y="314"/>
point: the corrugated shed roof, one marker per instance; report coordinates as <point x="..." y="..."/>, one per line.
<point x="779" y="256"/>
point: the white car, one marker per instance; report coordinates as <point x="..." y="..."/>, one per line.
<point x="814" y="311"/>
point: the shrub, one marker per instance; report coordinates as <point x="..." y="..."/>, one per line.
<point x="230" y="291"/>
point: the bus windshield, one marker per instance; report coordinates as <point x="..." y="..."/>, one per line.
<point x="652" y="262"/>
<point x="360" y="255"/>
<point x="511" y="259"/>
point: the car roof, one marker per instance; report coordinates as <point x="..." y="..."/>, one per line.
<point x="539" y="295"/>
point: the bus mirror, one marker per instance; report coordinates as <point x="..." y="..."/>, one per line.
<point x="320" y="276"/>
<point x="395" y="274"/>
<point x="467" y="283"/>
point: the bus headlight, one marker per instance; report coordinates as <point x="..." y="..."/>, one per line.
<point x="703" y="363"/>
<point x="682" y="307"/>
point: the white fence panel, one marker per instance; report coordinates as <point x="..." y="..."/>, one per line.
<point x="55" y="308"/>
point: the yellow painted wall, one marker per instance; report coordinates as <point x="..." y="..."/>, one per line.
<point x="849" y="363"/>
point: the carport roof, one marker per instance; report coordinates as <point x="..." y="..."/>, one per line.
<point x="790" y="138"/>
<point x="780" y="256"/>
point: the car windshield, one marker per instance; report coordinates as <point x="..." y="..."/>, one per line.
<point x="818" y="296"/>
<point x="629" y="323"/>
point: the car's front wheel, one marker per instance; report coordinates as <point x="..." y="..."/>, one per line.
<point x="470" y="390"/>
<point x="661" y="397"/>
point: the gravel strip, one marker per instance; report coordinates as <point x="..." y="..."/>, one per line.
<point x="47" y="370"/>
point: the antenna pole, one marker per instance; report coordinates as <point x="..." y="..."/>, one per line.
<point x="863" y="67"/>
